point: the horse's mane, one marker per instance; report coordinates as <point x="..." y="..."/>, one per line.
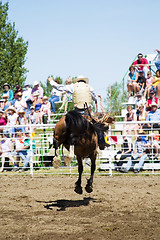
<point x="76" y="122"/>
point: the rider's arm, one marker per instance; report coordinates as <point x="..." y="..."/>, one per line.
<point x="61" y="87"/>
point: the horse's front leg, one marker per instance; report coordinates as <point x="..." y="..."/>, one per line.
<point x="78" y="188"/>
<point x="56" y="159"/>
<point x="89" y="186"/>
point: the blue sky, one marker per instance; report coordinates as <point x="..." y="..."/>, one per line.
<point x="94" y="38"/>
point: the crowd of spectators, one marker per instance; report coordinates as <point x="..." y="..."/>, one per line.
<point x="20" y="107"/>
<point x="145" y="92"/>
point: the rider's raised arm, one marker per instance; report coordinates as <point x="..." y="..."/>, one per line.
<point x="61" y="87"/>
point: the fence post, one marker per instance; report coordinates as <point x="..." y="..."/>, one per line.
<point x="31" y="149"/>
<point x="110" y="165"/>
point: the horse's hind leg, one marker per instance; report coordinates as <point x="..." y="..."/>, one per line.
<point x="78" y="188"/>
<point x="89" y="186"/>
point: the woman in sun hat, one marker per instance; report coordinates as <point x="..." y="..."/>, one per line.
<point x="37" y="103"/>
<point x="21" y="119"/>
<point x="7" y="91"/>
<point x="5" y="104"/>
<point x="37" y="87"/>
<point x="46" y="107"/>
<point x="20" y="103"/>
<point x="12" y="119"/>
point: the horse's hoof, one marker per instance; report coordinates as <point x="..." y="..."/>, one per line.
<point x="89" y="188"/>
<point x="68" y="160"/>
<point x="56" y="162"/>
<point x="78" y="189"/>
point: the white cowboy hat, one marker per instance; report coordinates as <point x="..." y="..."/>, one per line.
<point x="36" y="93"/>
<point x="45" y="98"/>
<point x="36" y="83"/>
<point x="79" y="78"/>
<point x="11" y="108"/>
<point x="21" y="111"/>
<point x="5" y="96"/>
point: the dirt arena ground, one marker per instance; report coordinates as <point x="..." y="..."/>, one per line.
<point x="46" y="207"/>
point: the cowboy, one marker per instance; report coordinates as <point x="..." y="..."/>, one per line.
<point x="82" y="96"/>
<point x="82" y="92"/>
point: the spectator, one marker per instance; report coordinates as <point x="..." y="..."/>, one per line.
<point x="141" y="64"/>
<point x="12" y="119"/>
<point x="67" y="96"/>
<point x="17" y="91"/>
<point x="152" y="99"/>
<point x="36" y="88"/>
<point x="157" y="59"/>
<point x="21" y="120"/>
<point x="125" y="153"/>
<point x="27" y="96"/>
<point x="33" y="116"/>
<point x="142" y="114"/>
<point x="130" y="116"/>
<point x="37" y="103"/>
<point x="6" y="150"/>
<point x="3" y="120"/>
<point x="153" y="145"/>
<point x="27" y="151"/>
<point x="156" y="83"/>
<point x="140" y="100"/>
<point x="8" y="91"/>
<point x="154" y="116"/>
<point x="46" y="107"/>
<point x="140" y="151"/>
<point x="141" y="82"/>
<point x="20" y="103"/>
<point x="149" y="81"/>
<point x="132" y="81"/>
<point x="5" y="104"/>
<point x="55" y="95"/>
<point x="18" y="147"/>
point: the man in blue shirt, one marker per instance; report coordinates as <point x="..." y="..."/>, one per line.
<point x="154" y="116"/>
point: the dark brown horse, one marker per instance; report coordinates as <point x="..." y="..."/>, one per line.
<point x="75" y="130"/>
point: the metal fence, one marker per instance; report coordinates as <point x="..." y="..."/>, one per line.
<point x="108" y="161"/>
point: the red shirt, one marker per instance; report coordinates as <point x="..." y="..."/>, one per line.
<point x="150" y="100"/>
<point x="144" y="61"/>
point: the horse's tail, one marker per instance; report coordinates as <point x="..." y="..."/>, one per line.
<point x="76" y="122"/>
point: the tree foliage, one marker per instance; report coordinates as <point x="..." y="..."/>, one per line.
<point x="114" y="99"/>
<point x="13" y="50"/>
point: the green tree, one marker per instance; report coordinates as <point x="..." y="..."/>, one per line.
<point x="13" y="51"/>
<point x="114" y="99"/>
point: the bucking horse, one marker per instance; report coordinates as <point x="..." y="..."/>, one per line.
<point x="84" y="134"/>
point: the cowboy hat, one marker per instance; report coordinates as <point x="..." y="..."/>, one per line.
<point x="45" y="98"/>
<point x="36" y="83"/>
<point x="21" y="111"/>
<point x="11" y="108"/>
<point x="5" y="96"/>
<point x="6" y="84"/>
<point x="154" y="104"/>
<point x="36" y="93"/>
<point x="81" y="78"/>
